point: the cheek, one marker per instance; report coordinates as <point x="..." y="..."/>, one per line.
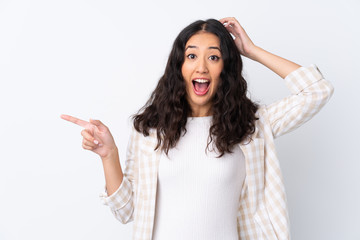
<point x="217" y="77"/>
<point x="186" y="73"/>
<point x="219" y="70"/>
<point x="184" y="70"/>
<point x="216" y="85"/>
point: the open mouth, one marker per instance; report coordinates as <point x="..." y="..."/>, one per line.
<point x="201" y="86"/>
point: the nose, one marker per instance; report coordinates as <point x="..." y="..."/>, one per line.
<point x="201" y="66"/>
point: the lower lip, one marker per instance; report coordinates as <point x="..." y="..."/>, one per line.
<point x="201" y="93"/>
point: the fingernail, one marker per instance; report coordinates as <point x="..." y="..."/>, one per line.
<point x="96" y="141"/>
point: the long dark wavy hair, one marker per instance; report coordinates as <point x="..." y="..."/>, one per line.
<point x="167" y="109"/>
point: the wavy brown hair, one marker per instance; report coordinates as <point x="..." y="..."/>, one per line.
<point x="167" y="109"/>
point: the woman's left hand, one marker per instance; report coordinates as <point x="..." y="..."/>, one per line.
<point x="242" y="40"/>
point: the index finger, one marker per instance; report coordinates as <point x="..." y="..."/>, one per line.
<point x="226" y="19"/>
<point x="229" y="21"/>
<point x="75" y="120"/>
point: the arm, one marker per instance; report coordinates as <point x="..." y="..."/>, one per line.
<point x="112" y="171"/>
<point x="310" y="91"/>
<point x="121" y="201"/>
<point x="98" y="139"/>
<point x="278" y="65"/>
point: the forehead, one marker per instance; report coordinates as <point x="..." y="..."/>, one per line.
<point x="203" y="39"/>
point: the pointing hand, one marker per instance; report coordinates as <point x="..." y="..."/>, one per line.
<point x="96" y="136"/>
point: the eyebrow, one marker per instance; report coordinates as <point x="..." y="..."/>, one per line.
<point x="192" y="46"/>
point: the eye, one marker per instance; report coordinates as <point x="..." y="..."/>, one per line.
<point x="214" y="58"/>
<point x="191" y="56"/>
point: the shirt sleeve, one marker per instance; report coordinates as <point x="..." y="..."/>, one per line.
<point x="310" y="92"/>
<point x="121" y="202"/>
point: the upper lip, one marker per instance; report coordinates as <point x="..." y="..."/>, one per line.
<point x="201" y="78"/>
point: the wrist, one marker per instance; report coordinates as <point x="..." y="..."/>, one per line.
<point x="112" y="155"/>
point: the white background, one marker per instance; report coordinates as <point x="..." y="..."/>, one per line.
<point x="101" y="59"/>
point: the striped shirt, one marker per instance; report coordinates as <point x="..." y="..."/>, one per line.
<point x="262" y="211"/>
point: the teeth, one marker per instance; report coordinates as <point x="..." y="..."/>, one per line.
<point x="201" y="80"/>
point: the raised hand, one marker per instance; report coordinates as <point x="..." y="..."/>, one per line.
<point x="242" y="40"/>
<point x="96" y="136"/>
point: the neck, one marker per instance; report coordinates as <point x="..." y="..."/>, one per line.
<point x="202" y="111"/>
<point x="200" y="114"/>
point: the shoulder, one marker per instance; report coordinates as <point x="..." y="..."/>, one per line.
<point x="261" y="113"/>
<point x="139" y="137"/>
<point x="262" y="123"/>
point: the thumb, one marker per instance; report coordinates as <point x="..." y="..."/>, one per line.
<point x="98" y="123"/>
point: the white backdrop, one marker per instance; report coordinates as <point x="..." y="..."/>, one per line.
<point x="101" y="59"/>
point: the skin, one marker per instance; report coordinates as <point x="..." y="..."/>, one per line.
<point x="105" y="146"/>
<point x="202" y="60"/>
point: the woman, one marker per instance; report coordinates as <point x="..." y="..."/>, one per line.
<point x="201" y="161"/>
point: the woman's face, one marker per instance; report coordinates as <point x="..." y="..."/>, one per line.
<point x="201" y="71"/>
